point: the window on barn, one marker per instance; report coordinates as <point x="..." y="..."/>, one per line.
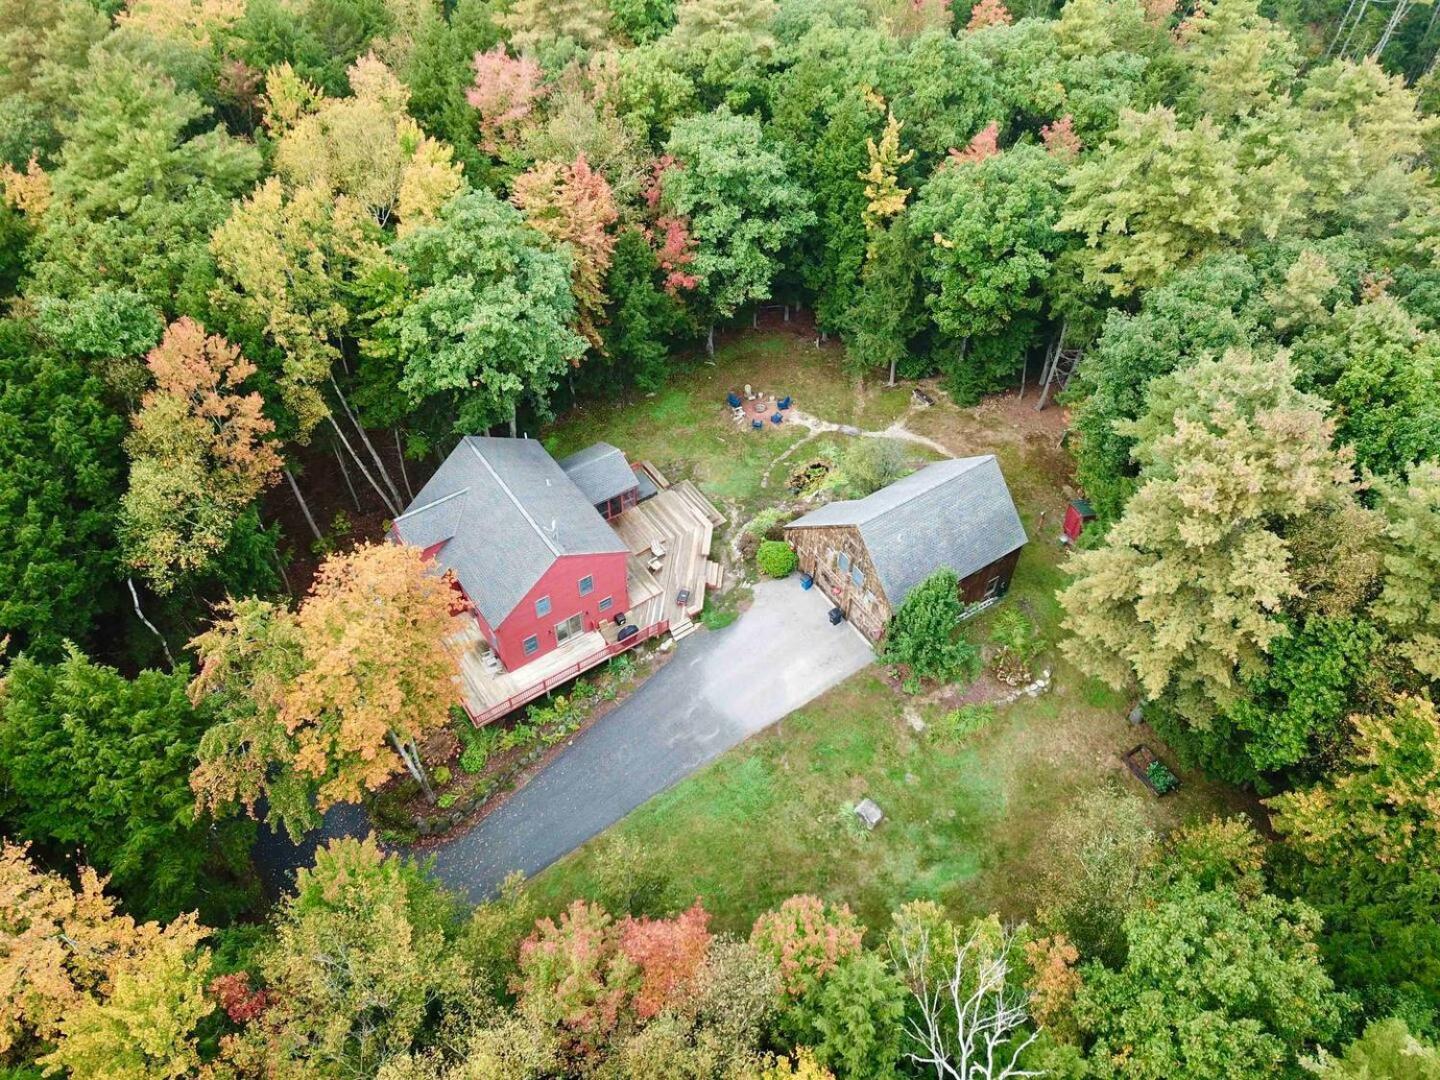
<point x="531" y="645"/>
<point x="857" y="575"/>
<point x="542" y="606"/>
<point x="843" y="560"/>
<point x="587" y="585"/>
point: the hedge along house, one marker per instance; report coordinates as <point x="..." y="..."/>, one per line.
<point x="524" y="543"/>
<point x="867" y="554"/>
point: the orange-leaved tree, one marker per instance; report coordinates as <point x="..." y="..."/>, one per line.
<point x="320" y="705"/>
<point x="376" y="670"/>
<point x="572" y="204"/>
<point x="200" y="455"/>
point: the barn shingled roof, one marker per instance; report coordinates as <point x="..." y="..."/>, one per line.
<point x="955" y="514"/>
<point x="504" y="511"/>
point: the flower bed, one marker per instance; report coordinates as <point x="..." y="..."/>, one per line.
<point x="486" y="764"/>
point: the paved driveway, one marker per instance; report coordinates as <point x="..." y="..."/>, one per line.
<point x="720" y="688"/>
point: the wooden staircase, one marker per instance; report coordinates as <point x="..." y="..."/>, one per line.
<point x="681" y="627"/>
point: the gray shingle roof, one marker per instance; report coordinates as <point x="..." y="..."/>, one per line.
<point x="505" y="511"/>
<point x="600" y="471"/>
<point x="955" y="514"/>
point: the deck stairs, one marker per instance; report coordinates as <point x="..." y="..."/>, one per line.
<point x="681" y="627"/>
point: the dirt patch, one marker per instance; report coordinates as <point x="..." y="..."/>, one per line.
<point x="347" y="511"/>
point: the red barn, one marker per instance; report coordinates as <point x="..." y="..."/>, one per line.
<point x="525" y="540"/>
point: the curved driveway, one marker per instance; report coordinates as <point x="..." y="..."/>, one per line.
<point x="720" y="688"/>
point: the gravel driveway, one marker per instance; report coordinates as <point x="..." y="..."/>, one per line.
<point x="720" y="688"/>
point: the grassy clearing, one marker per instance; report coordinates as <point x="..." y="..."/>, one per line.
<point x="966" y="816"/>
<point x="965" y="819"/>
<point x="686" y="429"/>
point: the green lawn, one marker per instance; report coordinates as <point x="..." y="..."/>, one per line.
<point x="965" y="820"/>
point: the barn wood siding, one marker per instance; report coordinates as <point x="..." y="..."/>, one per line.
<point x="972" y="588"/>
<point x="813" y="545"/>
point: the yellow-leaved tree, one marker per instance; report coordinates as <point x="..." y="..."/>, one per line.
<point x="885" y="198"/>
<point x="116" y="999"/>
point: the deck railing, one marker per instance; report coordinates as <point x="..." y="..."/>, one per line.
<point x="530" y="693"/>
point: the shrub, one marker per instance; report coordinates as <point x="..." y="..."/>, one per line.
<point x="442" y="775"/>
<point x="922" y="634"/>
<point x="447" y="800"/>
<point x="626" y="879"/>
<point x="1016" y="646"/>
<point x="763" y="524"/>
<point x="1102" y="850"/>
<point x="867" y="465"/>
<point x="775" y="558"/>
<point x="964" y="721"/>
<point x="478" y="744"/>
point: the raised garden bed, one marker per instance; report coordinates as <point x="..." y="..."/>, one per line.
<point x="1151" y="771"/>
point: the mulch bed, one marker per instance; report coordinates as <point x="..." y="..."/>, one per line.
<point x="523" y="762"/>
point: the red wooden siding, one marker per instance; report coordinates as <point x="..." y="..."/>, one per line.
<point x="562" y="584"/>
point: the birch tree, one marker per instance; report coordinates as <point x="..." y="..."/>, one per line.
<point x="970" y="1023"/>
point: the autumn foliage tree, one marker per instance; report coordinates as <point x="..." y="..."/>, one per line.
<point x="333" y="700"/>
<point x="885" y="198"/>
<point x="361" y="955"/>
<point x="572" y="205"/>
<point x="112" y="997"/>
<point x="505" y="93"/>
<point x="807" y="938"/>
<point x="588" y="976"/>
<point x="199" y="455"/>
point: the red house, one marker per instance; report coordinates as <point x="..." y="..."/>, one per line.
<point x="526" y="541"/>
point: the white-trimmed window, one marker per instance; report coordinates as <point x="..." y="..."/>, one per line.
<point x="587" y="585"/>
<point x="542" y="607"/>
<point x="607" y="603"/>
<point x="531" y="645"/>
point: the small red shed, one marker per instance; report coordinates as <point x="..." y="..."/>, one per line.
<point x="1076" y="515"/>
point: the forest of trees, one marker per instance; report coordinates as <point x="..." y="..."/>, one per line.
<point x="242" y="238"/>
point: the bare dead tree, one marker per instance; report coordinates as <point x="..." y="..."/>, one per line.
<point x="971" y="1026"/>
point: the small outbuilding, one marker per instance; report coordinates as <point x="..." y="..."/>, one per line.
<point x="867" y="554"/>
<point x="1077" y="515"/>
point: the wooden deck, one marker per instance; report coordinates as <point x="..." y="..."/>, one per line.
<point x="671" y="523"/>
<point x="489" y="692"/>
